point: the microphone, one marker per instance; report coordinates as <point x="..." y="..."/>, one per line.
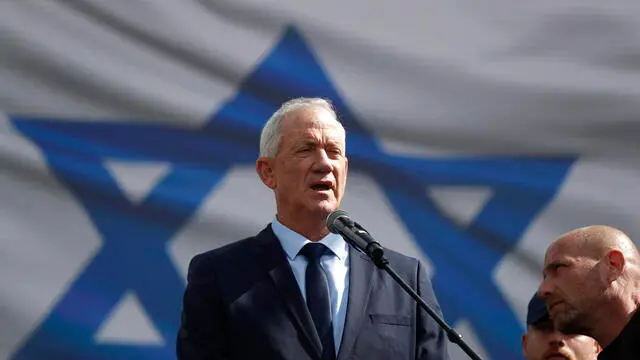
<point x="339" y="222"/>
<point x="355" y="235"/>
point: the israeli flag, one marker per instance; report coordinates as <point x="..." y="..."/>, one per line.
<point x="477" y="133"/>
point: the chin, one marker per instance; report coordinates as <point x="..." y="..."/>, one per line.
<point x="568" y="323"/>
<point x="325" y="207"/>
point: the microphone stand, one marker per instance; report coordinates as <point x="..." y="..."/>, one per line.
<point x="381" y="262"/>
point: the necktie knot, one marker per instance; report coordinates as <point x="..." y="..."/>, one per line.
<point x="313" y="251"/>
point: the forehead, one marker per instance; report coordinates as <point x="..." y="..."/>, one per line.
<point x="542" y="326"/>
<point x="310" y="119"/>
<point x="560" y="250"/>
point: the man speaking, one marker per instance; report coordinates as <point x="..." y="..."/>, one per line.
<point x="295" y="290"/>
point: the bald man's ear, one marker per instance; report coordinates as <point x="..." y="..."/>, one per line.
<point x="614" y="261"/>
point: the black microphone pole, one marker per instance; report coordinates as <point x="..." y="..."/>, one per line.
<point x="339" y="222"/>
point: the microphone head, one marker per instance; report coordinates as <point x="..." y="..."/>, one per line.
<point x="332" y="219"/>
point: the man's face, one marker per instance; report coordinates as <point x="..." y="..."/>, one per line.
<point x="571" y="287"/>
<point x="543" y="342"/>
<point x="309" y="172"/>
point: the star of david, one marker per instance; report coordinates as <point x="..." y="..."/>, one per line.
<point x="133" y="255"/>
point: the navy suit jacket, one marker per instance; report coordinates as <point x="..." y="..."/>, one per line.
<point x="242" y="302"/>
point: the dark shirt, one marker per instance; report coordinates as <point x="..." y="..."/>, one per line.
<point x="627" y="344"/>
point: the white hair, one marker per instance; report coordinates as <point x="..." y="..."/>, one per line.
<point x="271" y="134"/>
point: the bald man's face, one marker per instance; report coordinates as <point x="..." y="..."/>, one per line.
<point x="572" y="286"/>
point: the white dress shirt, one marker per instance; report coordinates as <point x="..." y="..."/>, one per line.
<point x="336" y="266"/>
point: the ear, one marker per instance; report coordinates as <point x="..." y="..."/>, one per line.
<point x="524" y="344"/>
<point x="265" y="170"/>
<point x="615" y="262"/>
<point x="597" y="347"/>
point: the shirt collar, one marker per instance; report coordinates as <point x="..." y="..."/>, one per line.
<point x="292" y="242"/>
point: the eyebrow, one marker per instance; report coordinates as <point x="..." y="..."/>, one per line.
<point x="310" y="142"/>
<point x="553" y="265"/>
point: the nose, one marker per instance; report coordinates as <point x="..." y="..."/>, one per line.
<point x="544" y="290"/>
<point x="322" y="163"/>
<point x="556" y="339"/>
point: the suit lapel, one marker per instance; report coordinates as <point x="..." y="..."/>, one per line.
<point x="361" y="270"/>
<point x="274" y="261"/>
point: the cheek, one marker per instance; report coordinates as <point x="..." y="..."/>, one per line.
<point x="341" y="173"/>
<point x="570" y="288"/>
<point x="535" y="345"/>
<point x="343" y="179"/>
<point x="292" y="175"/>
<point x="577" y="292"/>
<point x="570" y="283"/>
<point x="582" y="345"/>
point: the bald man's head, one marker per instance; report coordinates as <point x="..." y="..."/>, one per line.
<point x="596" y="241"/>
<point x="583" y="269"/>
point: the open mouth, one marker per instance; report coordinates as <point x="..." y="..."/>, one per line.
<point x="557" y="356"/>
<point x="321" y="186"/>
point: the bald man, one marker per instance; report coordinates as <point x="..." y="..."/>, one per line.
<point x="592" y="286"/>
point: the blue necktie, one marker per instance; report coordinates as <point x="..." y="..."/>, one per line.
<point x="318" y="300"/>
